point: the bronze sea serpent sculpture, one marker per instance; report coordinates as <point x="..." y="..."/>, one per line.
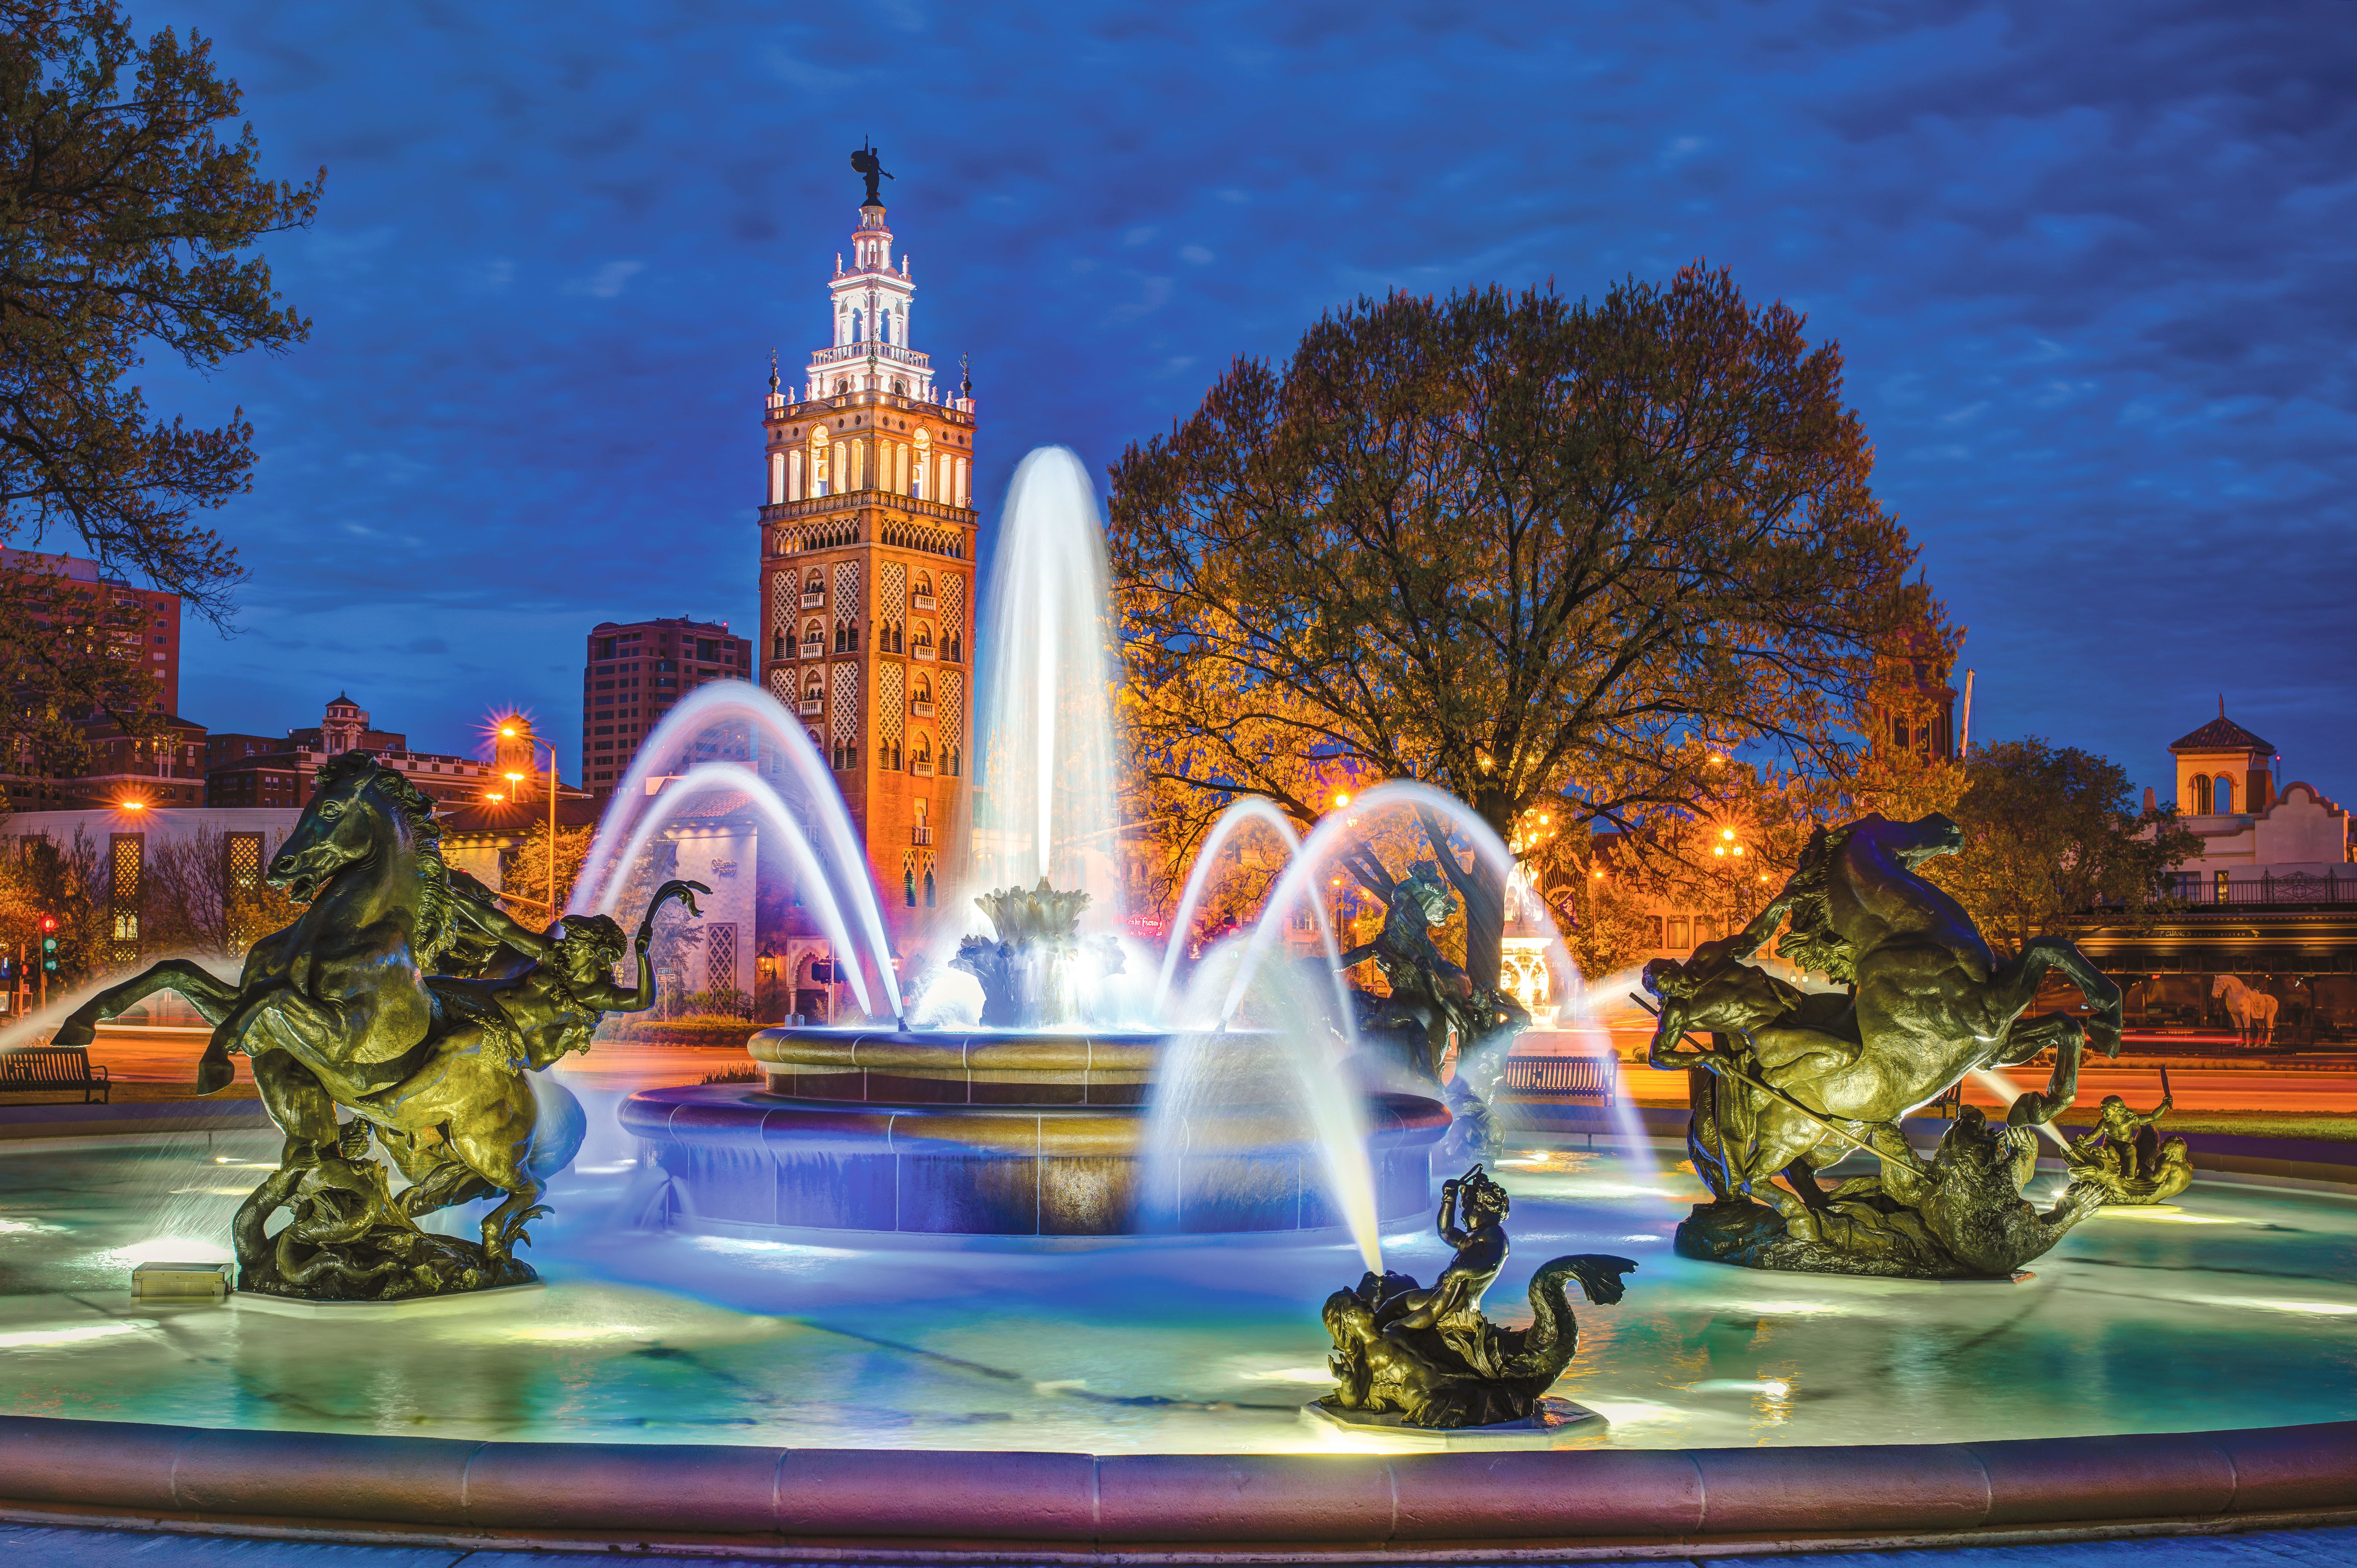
<point x="1430" y="1356"/>
<point x="404" y="994"/>
<point x="1792" y="1076"/>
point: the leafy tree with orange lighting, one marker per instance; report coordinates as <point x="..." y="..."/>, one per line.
<point x="1543" y="555"/>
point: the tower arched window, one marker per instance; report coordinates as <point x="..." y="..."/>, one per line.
<point x="2201" y="795"/>
<point x="953" y="645"/>
<point x="950" y="761"/>
<point x="778" y="645"/>
<point x="920" y="690"/>
<point x="813" y="686"/>
<point x="2226" y="795"/>
<point x="924" y="640"/>
<point x="814" y="587"/>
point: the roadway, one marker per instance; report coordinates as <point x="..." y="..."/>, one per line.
<point x="166" y="1058"/>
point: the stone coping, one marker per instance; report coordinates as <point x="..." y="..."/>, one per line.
<point x="731" y="1116"/>
<point x="892" y="1050"/>
<point x="914" y="1504"/>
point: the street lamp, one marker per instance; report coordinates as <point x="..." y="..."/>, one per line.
<point x="508" y="732"/>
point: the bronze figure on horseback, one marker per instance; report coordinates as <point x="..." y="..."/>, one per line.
<point x="1799" y="1078"/>
<point x="404" y="994"/>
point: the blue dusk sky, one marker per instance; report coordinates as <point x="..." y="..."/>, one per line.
<point x="2090" y="266"/>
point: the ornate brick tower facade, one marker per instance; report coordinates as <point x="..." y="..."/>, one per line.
<point x="867" y="591"/>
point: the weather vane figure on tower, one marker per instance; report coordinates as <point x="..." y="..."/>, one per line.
<point x="869" y="162"/>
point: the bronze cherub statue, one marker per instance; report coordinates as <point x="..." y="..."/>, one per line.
<point x="1430" y="1356"/>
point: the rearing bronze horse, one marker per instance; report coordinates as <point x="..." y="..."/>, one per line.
<point x="341" y="1008"/>
<point x="1929" y="1003"/>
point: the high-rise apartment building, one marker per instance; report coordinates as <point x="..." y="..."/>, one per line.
<point x="866" y="562"/>
<point x="154" y="643"/>
<point x="635" y="672"/>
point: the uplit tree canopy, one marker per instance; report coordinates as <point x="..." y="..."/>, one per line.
<point x="1530" y="549"/>
<point x="127" y="224"/>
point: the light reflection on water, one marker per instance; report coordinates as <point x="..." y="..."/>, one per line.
<point x="1173" y="1346"/>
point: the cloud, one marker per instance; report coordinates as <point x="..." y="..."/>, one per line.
<point x="2086" y="264"/>
<point x="606" y="282"/>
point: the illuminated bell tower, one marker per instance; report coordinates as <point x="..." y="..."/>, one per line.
<point x="867" y="590"/>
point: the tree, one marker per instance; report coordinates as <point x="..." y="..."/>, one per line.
<point x="2052" y="832"/>
<point x="67" y="880"/>
<point x="128" y="225"/>
<point x="526" y="873"/>
<point x="196" y="904"/>
<point x="1526" y="550"/>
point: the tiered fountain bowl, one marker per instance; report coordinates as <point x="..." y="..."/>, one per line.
<point x="997" y="1133"/>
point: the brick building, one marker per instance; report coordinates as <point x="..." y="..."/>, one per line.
<point x="867" y="574"/>
<point x="157" y="644"/>
<point x="635" y="672"/>
<point x="266" y="770"/>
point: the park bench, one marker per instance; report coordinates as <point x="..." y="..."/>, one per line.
<point x="1579" y="1081"/>
<point x="48" y="1069"/>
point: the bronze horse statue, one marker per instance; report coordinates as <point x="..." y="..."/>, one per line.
<point x="1927" y="1004"/>
<point x="346" y="1007"/>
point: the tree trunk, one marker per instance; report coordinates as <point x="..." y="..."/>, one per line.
<point x="1485" y="924"/>
<point x="1484" y="893"/>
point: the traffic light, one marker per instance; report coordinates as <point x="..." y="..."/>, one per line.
<point x="50" y="943"/>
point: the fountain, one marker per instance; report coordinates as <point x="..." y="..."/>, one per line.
<point x="1040" y="1117"/>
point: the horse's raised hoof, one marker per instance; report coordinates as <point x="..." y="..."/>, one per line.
<point x="75" y="1031"/>
<point x="215" y="1072"/>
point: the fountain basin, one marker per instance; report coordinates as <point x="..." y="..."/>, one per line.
<point x="979" y="1068"/>
<point x="994" y="1133"/>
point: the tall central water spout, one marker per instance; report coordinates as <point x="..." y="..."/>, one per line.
<point x="1046" y="801"/>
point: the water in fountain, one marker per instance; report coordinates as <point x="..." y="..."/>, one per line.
<point x="700" y="782"/>
<point x="1249" y="810"/>
<point x="1286" y="1070"/>
<point x="1296" y="890"/>
<point x="839" y="868"/>
<point x="1045" y="790"/>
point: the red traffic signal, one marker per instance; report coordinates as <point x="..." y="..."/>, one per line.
<point x="48" y="923"/>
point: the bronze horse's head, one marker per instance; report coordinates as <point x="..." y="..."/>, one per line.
<point x="356" y="804"/>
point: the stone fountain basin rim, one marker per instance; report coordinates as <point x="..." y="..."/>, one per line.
<point x="948" y="1050"/>
<point x="970" y="1505"/>
<point x="732" y="1115"/>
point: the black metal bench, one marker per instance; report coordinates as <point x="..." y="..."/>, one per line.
<point x="51" y="1070"/>
<point x="1581" y="1080"/>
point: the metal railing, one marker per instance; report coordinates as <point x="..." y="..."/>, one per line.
<point x="2211" y="887"/>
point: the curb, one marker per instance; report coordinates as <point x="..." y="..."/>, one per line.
<point x="818" y="1503"/>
